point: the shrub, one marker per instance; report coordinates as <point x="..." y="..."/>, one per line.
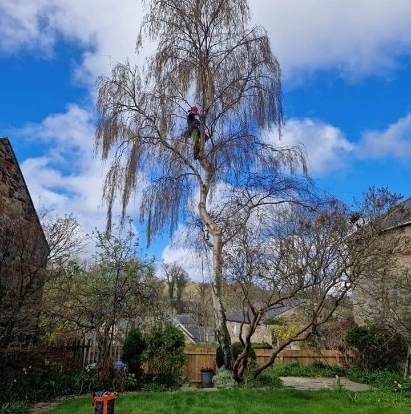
<point x="384" y="379"/>
<point x="237" y="349"/>
<point x="376" y="347"/>
<point x="224" y="380"/>
<point x="262" y="345"/>
<point x="109" y="377"/>
<point x="265" y="380"/>
<point x="132" y="352"/>
<point x="315" y="369"/>
<point x="165" y="354"/>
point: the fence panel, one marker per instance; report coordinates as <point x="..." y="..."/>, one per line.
<point x="87" y="351"/>
<point x="204" y="357"/>
<point x="198" y="358"/>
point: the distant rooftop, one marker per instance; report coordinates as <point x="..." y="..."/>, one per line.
<point x="278" y="309"/>
<point x="185" y="320"/>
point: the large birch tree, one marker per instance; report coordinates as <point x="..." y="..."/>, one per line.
<point x="207" y="54"/>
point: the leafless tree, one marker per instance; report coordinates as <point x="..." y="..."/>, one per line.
<point x="207" y="53"/>
<point x="314" y="257"/>
<point x="29" y="258"/>
<point x="383" y="296"/>
<point x="64" y="236"/>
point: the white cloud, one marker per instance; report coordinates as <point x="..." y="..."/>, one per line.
<point x="104" y="29"/>
<point x="69" y="138"/>
<point x="21" y="26"/>
<point x="394" y="142"/>
<point x="198" y="268"/>
<point x="356" y="37"/>
<point x="70" y="133"/>
<point x="327" y="147"/>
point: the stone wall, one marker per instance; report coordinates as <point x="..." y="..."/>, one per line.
<point x="262" y="332"/>
<point x="13" y="189"/>
<point x="385" y="297"/>
<point x="23" y="254"/>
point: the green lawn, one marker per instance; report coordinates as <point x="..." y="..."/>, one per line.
<point x="283" y="401"/>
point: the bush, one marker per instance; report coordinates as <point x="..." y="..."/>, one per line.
<point x="37" y="374"/>
<point x="165" y="354"/>
<point x="265" y="380"/>
<point x="109" y="377"/>
<point x="237" y="349"/>
<point x="224" y="380"/>
<point x="262" y="345"/>
<point x="376" y="347"/>
<point x="132" y="352"/>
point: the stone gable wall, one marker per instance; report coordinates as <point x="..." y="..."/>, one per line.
<point x="13" y="189"/>
<point x="23" y="254"/>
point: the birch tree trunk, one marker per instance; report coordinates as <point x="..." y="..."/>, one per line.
<point x="221" y="331"/>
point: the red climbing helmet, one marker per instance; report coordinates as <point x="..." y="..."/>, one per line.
<point x="194" y="109"/>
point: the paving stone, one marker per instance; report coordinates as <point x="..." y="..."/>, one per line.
<point x="318" y="383"/>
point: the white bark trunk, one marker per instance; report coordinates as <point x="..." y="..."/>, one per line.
<point x="222" y="334"/>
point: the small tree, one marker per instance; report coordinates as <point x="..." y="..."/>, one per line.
<point x="95" y="297"/>
<point x="165" y="354"/>
<point x="132" y="351"/>
<point x="176" y="279"/>
<point x="313" y="256"/>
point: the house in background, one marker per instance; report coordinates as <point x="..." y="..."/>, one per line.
<point x="286" y="311"/>
<point x="23" y="253"/>
<point x="193" y="333"/>
<point x="385" y="297"/>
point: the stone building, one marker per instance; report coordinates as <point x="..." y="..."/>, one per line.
<point x="23" y="253"/>
<point x="263" y="332"/>
<point x="385" y="295"/>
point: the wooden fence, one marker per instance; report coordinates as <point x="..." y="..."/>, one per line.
<point x="87" y="351"/>
<point x="198" y="358"/>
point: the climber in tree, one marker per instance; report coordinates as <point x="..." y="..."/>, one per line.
<point x="193" y="130"/>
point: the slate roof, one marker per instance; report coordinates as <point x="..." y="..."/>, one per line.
<point x="185" y="320"/>
<point x="275" y="311"/>
<point x="197" y="333"/>
<point x="400" y="215"/>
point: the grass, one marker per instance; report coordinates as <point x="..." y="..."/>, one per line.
<point x="239" y="401"/>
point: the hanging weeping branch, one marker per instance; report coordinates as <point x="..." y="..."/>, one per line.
<point x="208" y="54"/>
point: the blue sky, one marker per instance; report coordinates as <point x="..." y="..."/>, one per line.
<point x="346" y="81"/>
